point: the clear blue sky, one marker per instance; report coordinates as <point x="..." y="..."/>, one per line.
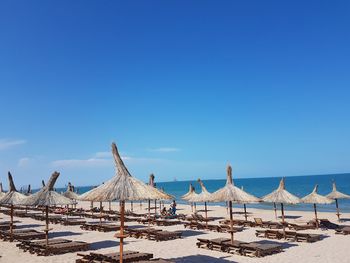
<point x="183" y="87"/>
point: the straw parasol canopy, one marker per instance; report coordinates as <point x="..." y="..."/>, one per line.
<point x="2" y="193"/>
<point x="189" y="195"/>
<point x="122" y="187"/>
<point x="69" y="193"/>
<point x="335" y="195"/>
<point x="12" y="197"/>
<point x="47" y="197"/>
<point x="282" y="196"/>
<point x="230" y="193"/>
<point x="203" y="196"/>
<point x="315" y="198"/>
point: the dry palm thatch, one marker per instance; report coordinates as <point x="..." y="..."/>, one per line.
<point x="12" y="197"/>
<point x="2" y="193"/>
<point x="47" y="197"/>
<point x="204" y="196"/>
<point x="69" y="193"/>
<point x="335" y="195"/>
<point x="315" y="198"/>
<point x="281" y="195"/>
<point x="123" y="187"/>
<point x="189" y="195"/>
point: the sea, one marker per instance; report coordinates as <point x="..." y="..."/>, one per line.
<point x="297" y="185"/>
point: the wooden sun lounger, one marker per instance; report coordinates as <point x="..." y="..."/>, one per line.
<point x="57" y="248"/>
<point x="164" y="235"/>
<point x="27" y="244"/>
<point x="167" y="222"/>
<point x="238" y="222"/>
<point x="128" y="256"/>
<point x="290" y="235"/>
<point x="108" y="227"/>
<point x="297" y="227"/>
<point x="267" y="224"/>
<point x="259" y="250"/>
<point x="343" y="230"/>
<point x="72" y="222"/>
<point x="89" y="226"/>
<point x="23" y="234"/>
<point x="140" y="232"/>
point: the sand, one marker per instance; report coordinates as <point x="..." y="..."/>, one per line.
<point x="333" y="248"/>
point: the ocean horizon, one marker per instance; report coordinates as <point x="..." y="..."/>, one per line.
<point x="300" y="186"/>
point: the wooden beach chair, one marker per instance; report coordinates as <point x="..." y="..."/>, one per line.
<point x="343" y="230"/>
<point x="57" y="248"/>
<point x="164" y="235"/>
<point x="259" y="250"/>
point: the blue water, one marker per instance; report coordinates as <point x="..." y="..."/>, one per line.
<point x="298" y="185"/>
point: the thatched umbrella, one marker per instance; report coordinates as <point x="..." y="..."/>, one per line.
<point x="230" y="193"/>
<point x="335" y="195"/>
<point x="204" y="196"/>
<point x="315" y="198"/>
<point x="281" y="195"/>
<point x="12" y="197"/>
<point x="69" y="193"/>
<point x="47" y="197"/>
<point x="2" y="193"/>
<point x="189" y="195"/>
<point x="122" y="187"/>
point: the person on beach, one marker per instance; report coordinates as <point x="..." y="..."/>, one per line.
<point x="173" y="208"/>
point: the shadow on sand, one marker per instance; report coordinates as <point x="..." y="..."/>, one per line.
<point x="289" y="217"/>
<point x="28" y="226"/>
<point x="201" y="259"/>
<point x="104" y="244"/>
<point x="190" y="233"/>
<point x="63" y="234"/>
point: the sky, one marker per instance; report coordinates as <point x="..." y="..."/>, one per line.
<point x="183" y="87"/>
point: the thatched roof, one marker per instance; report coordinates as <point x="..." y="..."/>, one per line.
<point x="69" y="193"/>
<point x="12" y="197"/>
<point x="204" y="196"/>
<point x="335" y="194"/>
<point x="191" y="193"/>
<point x="232" y="193"/>
<point x="281" y="195"/>
<point x="2" y="193"/>
<point x="47" y="196"/>
<point x="122" y="186"/>
<point x="315" y="198"/>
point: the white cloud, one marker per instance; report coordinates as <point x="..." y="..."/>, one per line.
<point x="165" y="149"/>
<point x="74" y="163"/>
<point x="9" y="143"/>
<point x="23" y="161"/>
<point x="103" y="154"/>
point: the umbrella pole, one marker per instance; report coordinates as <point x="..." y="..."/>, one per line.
<point x="121" y="236"/>
<point x="149" y="212"/>
<point x="109" y="206"/>
<point x="195" y="207"/>
<point x="132" y="206"/>
<point x="47" y="225"/>
<point x="227" y="205"/>
<point x="192" y="207"/>
<point x="316" y="220"/>
<point x="206" y="214"/>
<point x="275" y="208"/>
<point x="336" y="204"/>
<point x="231" y="221"/>
<point x="155" y="207"/>
<point x="284" y="227"/>
<point x="11" y="223"/>
<point x="100" y="213"/>
<point x="245" y="212"/>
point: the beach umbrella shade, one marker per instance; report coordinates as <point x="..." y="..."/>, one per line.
<point x="282" y="196"/>
<point x="2" y="193"/>
<point x="232" y="194"/>
<point x="122" y="187"/>
<point x="315" y="198"/>
<point x="189" y="195"/>
<point x="335" y="195"/>
<point x="69" y="193"/>
<point x="12" y="198"/>
<point x="47" y="197"/>
<point x="203" y="197"/>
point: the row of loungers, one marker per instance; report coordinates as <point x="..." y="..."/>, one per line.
<point x="22" y="234"/>
<point x="101" y="227"/>
<point x="252" y="249"/>
<point x="289" y="235"/>
<point x="54" y="246"/>
<point x="159" y="222"/>
<point x="218" y="228"/>
<point x="153" y="234"/>
<point x="56" y="219"/>
<point x="128" y="256"/>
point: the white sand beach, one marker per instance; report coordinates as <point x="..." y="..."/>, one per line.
<point x="332" y="248"/>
